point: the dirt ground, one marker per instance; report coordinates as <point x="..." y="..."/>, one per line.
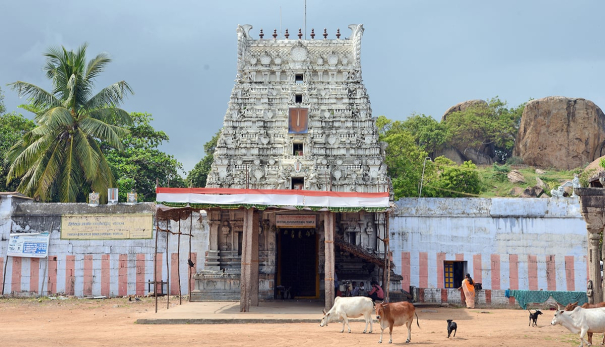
<point x="111" y="322"/>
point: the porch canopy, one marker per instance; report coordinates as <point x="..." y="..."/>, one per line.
<point x="203" y="198"/>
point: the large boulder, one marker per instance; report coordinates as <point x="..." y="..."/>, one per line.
<point x="561" y="133"/>
<point x="462" y="153"/>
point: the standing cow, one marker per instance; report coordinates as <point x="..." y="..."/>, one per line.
<point x="581" y="321"/>
<point x="349" y="307"/>
<point x="396" y="314"/>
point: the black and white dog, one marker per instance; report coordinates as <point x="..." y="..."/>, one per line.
<point x="451" y="326"/>
<point x="533" y="317"/>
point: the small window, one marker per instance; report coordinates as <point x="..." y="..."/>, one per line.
<point x="299" y="78"/>
<point x="297" y="149"/>
<point x="298" y="98"/>
<point x="298" y="183"/>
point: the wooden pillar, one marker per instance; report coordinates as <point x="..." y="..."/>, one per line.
<point x="329" y="269"/>
<point x="254" y="263"/>
<point x="245" y="284"/>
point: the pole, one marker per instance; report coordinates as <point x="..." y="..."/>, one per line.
<point x="305" y="19"/>
<point x="422" y="179"/>
<point x="167" y="268"/>
<point x="190" y="268"/>
<point x="388" y="257"/>
<point x="178" y="261"/>
<point x="155" y="263"/>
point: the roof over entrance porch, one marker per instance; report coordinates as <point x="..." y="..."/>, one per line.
<point x="327" y="202"/>
<point x="261" y="199"/>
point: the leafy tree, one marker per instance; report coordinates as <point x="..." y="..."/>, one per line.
<point x="140" y="163"/>
<point x="2" y="108"/>
<point x="61" y="159"/>
<point x="12" y="127"/>
<point x="199" y="174"/>
<point x="450" y="180"/>
<point x="486" y="125"/>
<point x="406" y="159"/>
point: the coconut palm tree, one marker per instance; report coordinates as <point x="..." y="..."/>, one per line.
<point x="61" y="158"/>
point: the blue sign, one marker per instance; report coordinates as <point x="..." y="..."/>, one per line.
<point x="28" y="245"/>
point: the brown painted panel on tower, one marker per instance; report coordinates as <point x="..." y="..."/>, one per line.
<point x="298" y="121"/>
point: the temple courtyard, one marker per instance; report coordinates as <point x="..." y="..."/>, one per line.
<point x="119" y="322"/>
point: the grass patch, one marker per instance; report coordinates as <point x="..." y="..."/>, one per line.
<point x="496" y="184"/>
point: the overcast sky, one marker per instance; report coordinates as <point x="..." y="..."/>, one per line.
<point x="417" y="56"/>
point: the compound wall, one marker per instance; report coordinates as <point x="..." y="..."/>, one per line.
<point x="95" y="267"/>
<point x="507" y="243"/>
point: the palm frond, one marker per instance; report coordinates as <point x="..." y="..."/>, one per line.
<point x="38" y="97"/>
<point x="70" y="177"/>
<point x="112" y="95"/>
<point x="57" y="118"/>
<point x="101" y="130"/>
<point x="87" y="155"/>
<point x="112" y="115"/>
<point x="49" y="175"/>
<point x="23" y="158"/>
<point x="96" y="66"/>
<point x="105" y="174"/>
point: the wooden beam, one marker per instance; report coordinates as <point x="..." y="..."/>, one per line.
<point x="245" y="284"/>
<point x="254" y="263"/>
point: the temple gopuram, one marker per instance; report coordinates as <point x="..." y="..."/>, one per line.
<point x="298" y="192"/>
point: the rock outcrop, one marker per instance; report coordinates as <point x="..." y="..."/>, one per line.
<point x="462" y="153"/>
<point x="561" y="133"/>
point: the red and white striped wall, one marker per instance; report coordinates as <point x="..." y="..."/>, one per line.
<point x="95" y="274"/>
<point x="525" y="244"/>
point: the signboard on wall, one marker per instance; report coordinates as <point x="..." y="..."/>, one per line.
<point x="28" y="245"/>
<point x="106" y="226"/>
<point x="295" y="221"/>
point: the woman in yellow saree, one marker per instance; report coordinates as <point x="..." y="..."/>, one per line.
<point x="468" y="287"/>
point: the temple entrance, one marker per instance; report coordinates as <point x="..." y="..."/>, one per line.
<point x="297" y="263"/>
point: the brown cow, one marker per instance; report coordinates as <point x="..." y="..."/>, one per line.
<point x="570" y="307"/>
<point x="396" y="314"/>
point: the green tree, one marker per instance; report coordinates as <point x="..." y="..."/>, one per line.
<point x="198" y="176"/>
<point x="446" y="179"/>
<point x="491" y="124"/>
<point x="12" y="127"/>
<point x="60" y="159"/>
<point x="140" y="163"/>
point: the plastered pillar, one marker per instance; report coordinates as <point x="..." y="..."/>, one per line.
<point x="254" y="263"/>
<point x="594" y="238"/>
<point x="329" y="223"/>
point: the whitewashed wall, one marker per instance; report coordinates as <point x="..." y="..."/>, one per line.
<point x="112" y="277"/>
<point x="463" y="228"/>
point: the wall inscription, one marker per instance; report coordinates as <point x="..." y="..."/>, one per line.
<point x="106" y="227"/>
<point x="295" y="221"/>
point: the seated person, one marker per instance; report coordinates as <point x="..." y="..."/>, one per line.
<point x="355" y="291"/>
<point x="376" y="294"/>
<point x="362" y="290"/>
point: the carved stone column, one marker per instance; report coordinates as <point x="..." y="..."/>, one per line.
<point x="212" y="261"/>
<point x="594" y="266"/>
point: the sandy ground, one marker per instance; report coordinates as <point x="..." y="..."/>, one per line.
<point x="111" y="322"/>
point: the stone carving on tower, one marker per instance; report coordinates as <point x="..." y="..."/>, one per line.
<point x="299" y="117"/>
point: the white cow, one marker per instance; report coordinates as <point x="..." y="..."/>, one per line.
<point x="349" y="307"/>
<point x="581" y="321"/>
